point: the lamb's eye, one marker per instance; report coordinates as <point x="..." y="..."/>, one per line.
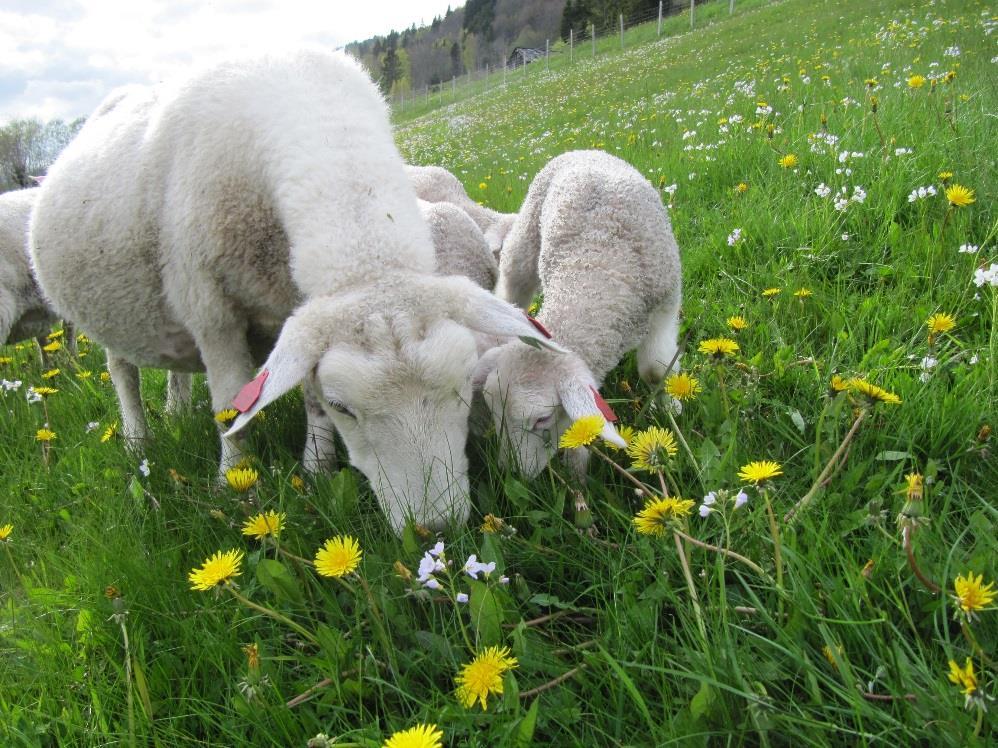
<point x="543" y="423"/>
<point x="341" y="408"/>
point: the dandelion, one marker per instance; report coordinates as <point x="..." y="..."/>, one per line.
<point x="105" y="376"/>
<point x="420" y="736"/>
<point x="945" y="176"/>
<point x="582" y="432"/>
<point x="769" y="293"/>
<point x="226" y="416"/>
<point x="803" y="293"/>
<point x="52" y="347"/>
<point x="109" y="433"/>
<point x="718" y="347"/>
<point x="44" y="435"/>
<point x="940" y="323"/>
<point x="218" y="570"/>
<point x="655" y="517"/>
<point x="338" y="556"/>
<point x="6" y="360"/>
<point x="964" y="677"/>
<point x="651" y="449"/>
<point x="55" y="335"/>
<point x="483" y="676"/>
<point x="241" y="479"/>
<point x="84" y="374"/>
<point x="839" y="384"/>
<point x="960" y="196"/>
<point x="264" y="524"/>
<point x="5" y="532"/>
<point x="916" y="81"/>
<point x="297" y="483"/>
<point x="830" y="656"/>
<point x="682" y="386"/>
<point x="914" y="486"/>
<point x="50" y="374"/>
<point x="873" y="393"/>
<point x="483" y="186"/>
<point x="760" y="471"/>
<point x="972" y="595"/>
<point x="741" y="187"/>
<point x="737" y="323"/>
<point x="492" y="524"/>
<point x="44" y="391"/>
<point x="789" y="161"/>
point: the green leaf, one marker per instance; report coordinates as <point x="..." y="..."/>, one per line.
<point x="275" y="577"/>
<point x="344" y="489"/>
<point x="525" y="730"/>
<point x="486" y="614"/>
<point x="517" y="493"/>
<point x="410" y="543"/>
<point x="532" y="342"/>
<point x="492" y="552"/>
<point x="142" y="688"/>
<point x="334" y="646"/>
<point x="136" y="492"/>
<point x="701" y="702"/>
<point x="891" y="456"/>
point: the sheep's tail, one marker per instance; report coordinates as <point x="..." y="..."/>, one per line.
<point x="658" y="352"/>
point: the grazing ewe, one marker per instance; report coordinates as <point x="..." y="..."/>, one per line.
<point x="459" y="245"/>
<point x="435" y="184"/>
<point x="260" y="207"/>
<point x="594" y="235"/>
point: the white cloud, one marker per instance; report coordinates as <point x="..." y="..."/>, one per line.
<point x="58" y="58"/>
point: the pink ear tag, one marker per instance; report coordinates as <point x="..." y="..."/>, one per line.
<point x="603" y="405"/>
<point x="250" y="392"/>
<point x="539" y="327"/>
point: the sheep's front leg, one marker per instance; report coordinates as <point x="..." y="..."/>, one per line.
<point x="69" y="335"/>
<point x="178" y="392"/>
<point x="517" y="284"/>
<point x="126" y="380"/>
<point x="320" y="445"/>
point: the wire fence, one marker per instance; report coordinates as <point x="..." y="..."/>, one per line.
<point x="582" y="44"/>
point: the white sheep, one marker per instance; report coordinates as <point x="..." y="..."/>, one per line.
<point x="594" y="236"/>
<point x="260" y="206"/>
<point x="435" y="184"/>
<point x="459" y="245"/>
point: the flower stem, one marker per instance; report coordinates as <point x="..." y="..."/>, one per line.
<point x="686" y="447"/>
<point x="689" y="584"/>
<point x="906" y="535"/>
<point x="275" y="615"/>
<point x="774" y="531"/>
<point x="791" y="516"/>
<point x="642" y="486"/>
<point x="128" y="680"/>
<point x="723" y="551"/>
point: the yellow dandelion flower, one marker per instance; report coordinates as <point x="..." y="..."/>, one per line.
<point x="82" y="339"/>
<point x="84" y="374"/>
<point x="338" y="556"/>
<point x="940" y="323"/>
<point x="492" y="524"/>
<point x="626" y="433"/>
<point x="582" y="432"/>
<point x="760" y="471"/>
<point x="242" y="479"/>
<point x="105" y="376"/>
<point x="44" y="391"/>
<point x="963" y="677"/>
<point x="972" y="595"/>
<point x="657" y="514"/>
<point x="5" y="532"/>
<point x="771" y="292"/>
<point x="109" y="433"/>
<point x="839" y="384"/>
<point x="252" y="652"/>
<point x="741" y="187"/>
<point x="960" y="196"/>
<point x="298" y="483"/>
<point x="264" y="524"/>
<point x="420" y="736"/>
<point x="789" y="161"/>
<point x="914" y="486"/>
<point x="870" y="82"/>
<point x="50" y="374"/>
<point x="483" y="676"/>
<point x="873" y="393"/>
<point x="44" y="435"/>
<point x="651" y="449"/>
<point x="916" y="81"/>
<point x="830" y="656"/>
<point x="483" y="186"/>
<point x="226" y="416"/>
<point x="682" y="386"/>
<point x="52" y="347"/>
<point x="945" y="176"/>
<point x="718" y="347"/>
<point x="803" y="293"/>
<point x="218" y="570"/>
<point x="736" y="323"/>
<point x="55" y="335"/>
<point x="6" y="360"/>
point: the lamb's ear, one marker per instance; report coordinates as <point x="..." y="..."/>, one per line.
<point x="579" y="398"/>
<point x="485" y="366"/>
<point x="478" y="309"/>
<point x="288" y="364"/>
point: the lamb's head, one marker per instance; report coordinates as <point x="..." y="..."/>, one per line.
<point x="392" y="365"/>
<point x="534" y="397"/>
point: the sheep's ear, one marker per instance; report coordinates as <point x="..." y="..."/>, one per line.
<point x="481" y="311"/>
<point x="580" y="397"/>
<point x="485" y="366"/>
<point x="287" y="365"/>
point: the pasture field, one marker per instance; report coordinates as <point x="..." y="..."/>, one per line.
<point x="830" y="170"/>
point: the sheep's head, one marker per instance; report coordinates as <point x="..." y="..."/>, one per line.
<point x="534" y="397"/>
<point x="392" y="365"/>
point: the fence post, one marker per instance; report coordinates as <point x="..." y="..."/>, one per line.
<point x="621" y="30"/>
<point x="547" y="54"/>
<point x="571" y="45"/>
<point x="660" y="17"/>
<point x="592" y="28"/>
<point x="692" y="4"/>
<point x="731" y="7"/>
<point x="504" y="73"/>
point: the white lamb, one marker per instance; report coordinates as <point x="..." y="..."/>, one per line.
<point x="203" y="213"/>
<point x="459" y="245"/>
<point x="593" y="234"/>
<point x="435" y="184"/>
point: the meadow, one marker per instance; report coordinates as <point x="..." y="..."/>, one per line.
<point x="805" y="558"/>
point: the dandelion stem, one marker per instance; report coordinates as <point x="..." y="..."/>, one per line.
<point x="686" y="447"/>
<point x="931" y="586"/>
<point x="642" y="486"/>
<point x="888" y="697"/>
<point x="273" y="614"/>
<point x="791" y="516"/>
<point x="694" y="597"/>
<point x="128" y="679"/>
<point x="774" y="531"/>
<point x="723" y="390"/>
<point x="553" y="682"/>
<point x="724" y="551"/>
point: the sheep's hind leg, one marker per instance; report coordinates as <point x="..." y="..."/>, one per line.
<point x="126" y="379"/>
<point x="660" y="346"/>
<point x="320" y="444"/>
<point x="178" y="392"/>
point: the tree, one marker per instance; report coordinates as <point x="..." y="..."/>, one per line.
<point x="478" y="16"/>
<point x="28" y="148"/>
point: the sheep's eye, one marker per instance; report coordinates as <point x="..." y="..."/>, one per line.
<point x="544" y="423"/>
<point x="341" y="408"/>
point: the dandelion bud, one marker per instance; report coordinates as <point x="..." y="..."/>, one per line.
<point x="874" y="103"/>
<point x="824" y="121"/>
<point x="402" y="572"/>
<point x="770" y="130"/>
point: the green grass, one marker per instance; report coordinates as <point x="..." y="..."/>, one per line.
<point x="643" y="666"/>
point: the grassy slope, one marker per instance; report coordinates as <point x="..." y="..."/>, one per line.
<point x="649" y="674"/>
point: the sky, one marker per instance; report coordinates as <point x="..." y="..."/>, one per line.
<point x="59" y="58"/>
